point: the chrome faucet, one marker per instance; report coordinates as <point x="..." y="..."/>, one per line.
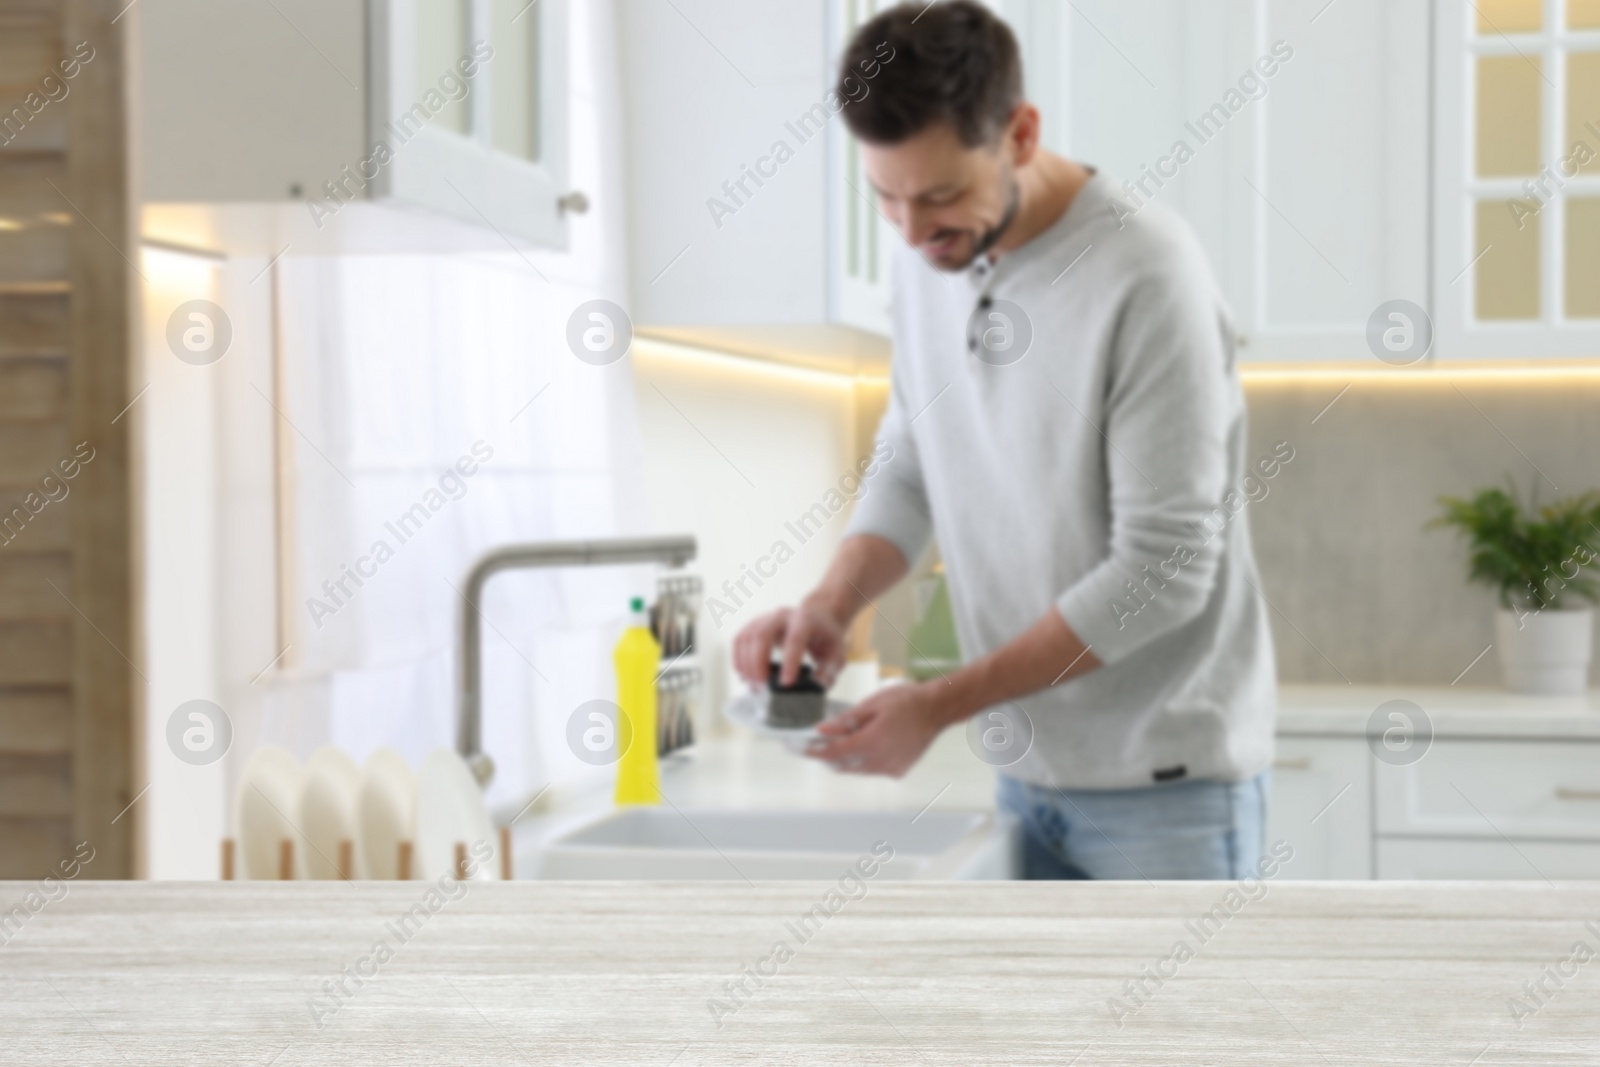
<point x="673" y="551"/>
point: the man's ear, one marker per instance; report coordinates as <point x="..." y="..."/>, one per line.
<point x="1022" y="133"/>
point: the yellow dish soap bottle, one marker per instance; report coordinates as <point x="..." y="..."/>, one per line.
<point x="638" y="659"/>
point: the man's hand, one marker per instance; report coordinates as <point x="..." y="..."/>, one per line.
<point x="890" y="730"/>
<point x="865" y="566"/>
<point x="797" y="631"/>
<point x="884" y="734"/>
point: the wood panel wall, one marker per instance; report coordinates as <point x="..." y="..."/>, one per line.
<point x="67" y="300"/>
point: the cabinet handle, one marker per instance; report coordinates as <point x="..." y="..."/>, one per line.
<point x="1301" y="764"/>
<point x="1563" y="793"/>
<point x="574" y="202"/>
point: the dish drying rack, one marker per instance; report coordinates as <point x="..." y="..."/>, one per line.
<point x="678" y="684"/>
<point x="676" y="624"/>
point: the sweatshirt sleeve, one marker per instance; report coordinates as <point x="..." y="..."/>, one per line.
<point x="894" y="504"/>
<point x="1172" y="400"/>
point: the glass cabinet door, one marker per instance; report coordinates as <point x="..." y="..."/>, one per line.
<point x="475" y="93"/>
<point x="514" y="32"/>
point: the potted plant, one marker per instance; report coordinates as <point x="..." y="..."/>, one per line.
<point x="1537" y="558"/>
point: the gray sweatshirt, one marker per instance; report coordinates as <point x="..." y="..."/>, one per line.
<point x="1079" y="443"/>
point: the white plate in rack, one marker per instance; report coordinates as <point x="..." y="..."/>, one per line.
<point x="330" y="792"/>
<point x="450" y="809"/>
<point x="750" y="711"/>
<point x="269" y="799"/>
<point x="388" y="811"/>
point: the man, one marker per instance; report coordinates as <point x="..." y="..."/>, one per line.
<point x="1066" y="416"/>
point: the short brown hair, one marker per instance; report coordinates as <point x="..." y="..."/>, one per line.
<point x="952" y="61"/>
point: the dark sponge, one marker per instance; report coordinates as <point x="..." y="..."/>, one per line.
<point x="797" y="705"/>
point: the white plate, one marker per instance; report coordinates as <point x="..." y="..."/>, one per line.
<point x="388" y="811"/>
<point x="450" y="809"/>
<point x="750" y="711"/>
<point x="329" y="805"/>
<point x="269" y="796"/>
<point x="858" y="680"/>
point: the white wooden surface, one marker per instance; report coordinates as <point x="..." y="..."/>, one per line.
<point x="1003" y="973"/>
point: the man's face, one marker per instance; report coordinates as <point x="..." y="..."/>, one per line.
<point x="948" y="201"/>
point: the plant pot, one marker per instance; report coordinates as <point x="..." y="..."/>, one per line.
<point x="1545" y="651"/>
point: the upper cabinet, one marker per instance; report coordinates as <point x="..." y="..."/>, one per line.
<point x="469" y="96"/>
<point x="1319" y="116"/>
<point x="1333" y="157"/>
<point x="1517" y="210"/>
<point x="860" y="239"/>
<point x="448" y="109"/>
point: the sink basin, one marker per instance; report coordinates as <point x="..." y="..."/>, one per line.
<point x="667" y="843"/>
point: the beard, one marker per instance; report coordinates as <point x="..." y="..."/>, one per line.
<point x="988" y="238"/>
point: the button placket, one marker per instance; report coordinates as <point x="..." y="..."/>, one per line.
<point x="985" y="302"/>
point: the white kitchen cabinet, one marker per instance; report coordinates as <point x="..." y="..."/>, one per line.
<point x="1446" y="859"/>
<point x="861" y="241"/>
<point x="1520" y="790"/>
<point x="1504" y="786"/>
<point x="1322" y="806"/>
<point x="1327" y="214"/>
<point x="1516" y="134"/>
<point x="1309" y="188"/>
<point x="452" y="108"/>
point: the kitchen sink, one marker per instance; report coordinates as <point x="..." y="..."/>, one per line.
<point x="669" y="843"/>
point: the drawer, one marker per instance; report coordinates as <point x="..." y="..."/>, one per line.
<point x="1519" y="789"/>
<point x="1454" y="858"/>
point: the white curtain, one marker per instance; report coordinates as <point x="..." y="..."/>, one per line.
<point x="437" y="412"/>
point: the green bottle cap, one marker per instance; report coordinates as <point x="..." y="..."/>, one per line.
<point x="636" y="604"/>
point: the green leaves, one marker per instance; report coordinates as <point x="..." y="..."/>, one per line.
<point x="1537" y="560"/>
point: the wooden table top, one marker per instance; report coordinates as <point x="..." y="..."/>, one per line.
<point x="953" y="973"/>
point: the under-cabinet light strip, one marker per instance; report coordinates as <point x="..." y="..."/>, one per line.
<point x="654" y="347"/>
<point x="1434" y="374"/>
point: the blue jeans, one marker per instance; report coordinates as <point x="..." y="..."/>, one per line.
<point x="1195" y="829"/>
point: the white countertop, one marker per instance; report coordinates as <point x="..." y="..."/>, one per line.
<point x="741" y="770"/>
<point x="1343" y="711"/>
<point x="735" y="769"/>
<point x="963" y="974"/>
